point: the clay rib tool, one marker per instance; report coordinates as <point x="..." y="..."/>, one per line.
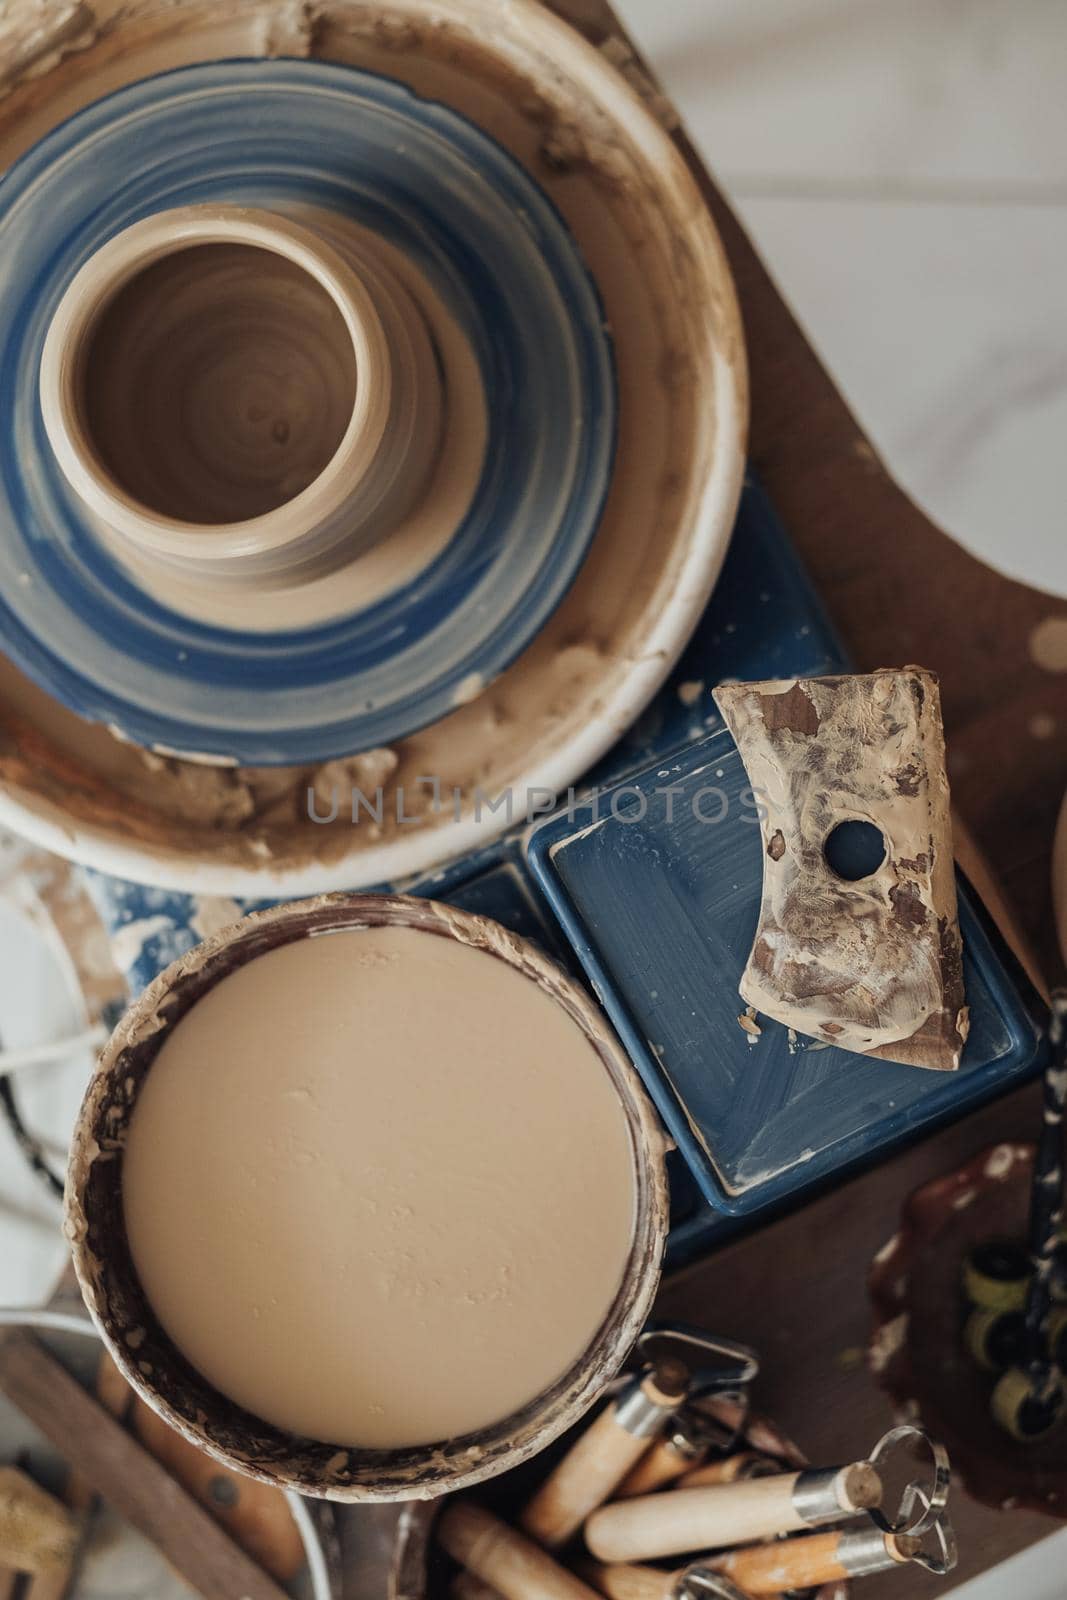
<point x="708" y="1518"/>
<point x="869" y="957"/>
<point x="680" y="1362"/>
<point x="658" y="889"/>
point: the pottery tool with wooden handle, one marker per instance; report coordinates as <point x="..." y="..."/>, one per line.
<point x="778" y="1567"/>
<point x="681" y="1361"/>
<point x="255" y="1515"/>
<point x="714" y="1516"/>
<point x="784" y="1565"/>
<point x="818" y="1558"/>
<point x="603" y="1455"/>
<point x="689" y="1438"/>
<point x="724" y="1514"/>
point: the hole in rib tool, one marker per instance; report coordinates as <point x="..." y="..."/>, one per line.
<point x="678" y="1364"/>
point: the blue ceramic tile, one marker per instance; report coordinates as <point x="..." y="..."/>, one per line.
<point x="658" y="891"/>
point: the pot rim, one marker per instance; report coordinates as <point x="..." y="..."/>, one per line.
<point x="95" y="286"/>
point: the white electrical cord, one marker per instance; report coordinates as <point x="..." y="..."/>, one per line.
<point x="39" y="1055"/>
<point x="318" y="1570"/>
<point x="70" y="1322"/>
<point x="35" y="1317"/>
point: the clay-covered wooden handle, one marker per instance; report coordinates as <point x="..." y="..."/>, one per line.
<point x="820" y="1558"/>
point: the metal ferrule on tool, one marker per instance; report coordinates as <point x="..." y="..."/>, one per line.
<point x="818" y="1498"/>
<point x="868" y="1551"/>
<point x="679" y="1361"/>
<point x="643" y="1408"/>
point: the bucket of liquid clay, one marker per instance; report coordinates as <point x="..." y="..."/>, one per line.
<point x="366" y="1200"/>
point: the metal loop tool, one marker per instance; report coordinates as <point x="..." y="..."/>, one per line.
<point x="712" y="1427"/>
<point x="929" y="1500"/>
<point x="716" y="1366"/>
<point x="944" y="1555"/>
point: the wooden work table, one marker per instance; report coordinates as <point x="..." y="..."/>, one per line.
<point x="899" y="590"/>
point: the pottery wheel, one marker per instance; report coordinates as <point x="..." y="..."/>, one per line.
<point x="284" y="671"/>
<point x="599" y="157"/>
